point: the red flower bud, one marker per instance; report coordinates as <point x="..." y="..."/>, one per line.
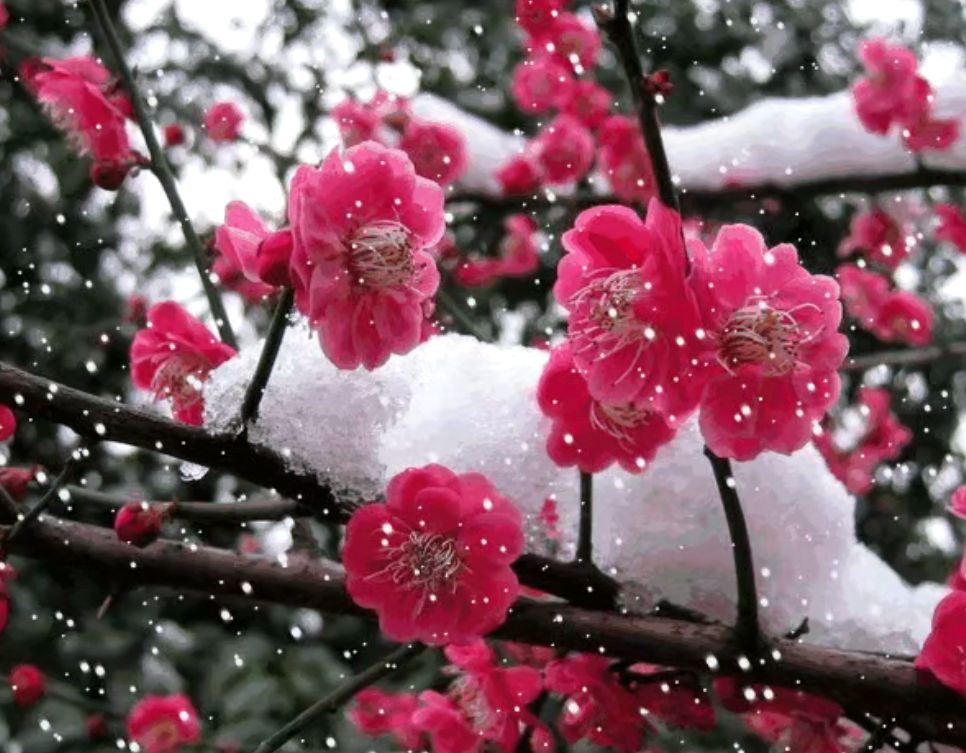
<point x="136" y="310"/>
<point x="27" y="684"/>
<point x="658" y="82"/>
<point x="16" y="480"/>
<point x="173" y="135"/>
<point x="110" y="174"/>
<point x="96" y="726"/>
<point x="8" y="423"/>
<point x="272" y="258"/>
<point x="139" y="523"/>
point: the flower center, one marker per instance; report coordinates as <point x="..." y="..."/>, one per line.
<point x="180" y="378"/>
<point x="381" y="255"/>
<point x="618" y="420"/>
<point x="760" y="335"/>
<point x="428" y="561"/>
<point x="468" y="695"/>
<point x="162" y="735"/>
<point x="609" y="303"/>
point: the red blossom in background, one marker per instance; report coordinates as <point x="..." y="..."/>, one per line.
<point x="794" y="720"/>
<point x="174" y="134"/>
<point x="623" y="158"/>
<point x="537" y="16"/>
<point x="879" y="438"/>
<point x="437" y="150"/>
<point x="139" y="523"/>
<point x="447" y="727"/>
<point x="377" y="713"/>
<point x="520" y="175"/>
<point x="893" y="94"/>
<point x="16" y="480"/>
<point x="942" y="653"/>
<point x="633" y="319"/>
<point x="172" y="358"/>
<point x="878" y="237"/>
<point x="540" y="83"/>
<point x="571" y="40"/>
<point x="518" y="257"/>
<point x="952" y="226"/>
<point x="586" y="101"/>
<point x="8" y="423"/>
<point x="772" y="347"/>
<point x="434" y="560"/>
<point x="223" y="121"/>
<point x="904" y="317"/>
<point x="564" y="150"/>
<point x="363" y="224"/>
<point x="957" y="502"/>
<point x="7" y="574"/>
<point x="598" y="707"/>
<point x="96" y="727"/>
<point x="28" y="684"/>
<point x="591" y="434"/>
<point x="84" y="100"/>
<point x="164" y="724"/>
<point x="4" y="16"/>
<point x="357" y="122"/>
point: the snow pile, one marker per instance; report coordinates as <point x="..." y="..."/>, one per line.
<point x="781" y="141"/>
<point x="470" y="406"/>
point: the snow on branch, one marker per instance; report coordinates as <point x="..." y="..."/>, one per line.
<point x="777" y="143"/>
<point x="471" y="407"/>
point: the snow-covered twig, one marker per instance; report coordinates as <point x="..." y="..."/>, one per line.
<point x="266" y="361"/>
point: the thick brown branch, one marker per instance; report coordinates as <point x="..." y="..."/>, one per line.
<point x="107" y="420"/>
<point x="874" y="684"/>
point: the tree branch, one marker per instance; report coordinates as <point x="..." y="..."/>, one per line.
<point x="700" y="200"/>
<point x="161" y="168"/>
<point x="747" y="629"/>
<point x="874" y="684"/>
<point x="585" y="539"/>
<point x="98" y="418"/>
<point x="616" y="25"/>
<point x="201" y="512"/>
<point x="49" y="496"/>
<point x="371" y="674"/>
<point x="904" y="357"/>
<point x="266" y="360"/>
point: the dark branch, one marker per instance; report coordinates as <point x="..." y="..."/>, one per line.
<point x="585" y="539"/>
<point x="200" y="512"/>
<point x="747" y="629"/>
<point x="905" y="357"/>
<point x="49" y="496"/>
<point x="617" y="26"/>
<point x="874" y="684"/>
<point x="266" y="360"/>
<point x="161" y="168"/>
<point x="371" y="674"/>
<point x="111" y="421"/>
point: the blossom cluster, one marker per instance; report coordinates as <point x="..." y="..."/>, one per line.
<point x="740" y="332"/>
<point x="554" y="78"/>
<point x="893" y="94"/>
<point x="867" y="435"/>
<point x="437" y="150"/>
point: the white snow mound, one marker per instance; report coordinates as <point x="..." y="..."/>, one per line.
<point x="470" y="406"/>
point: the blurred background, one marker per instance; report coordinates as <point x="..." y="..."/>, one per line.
<point x="72" y="256"/>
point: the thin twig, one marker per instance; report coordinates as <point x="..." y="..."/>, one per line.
<point x="266" y="361"/>
<point x="747" y="628"/>
<point x="585" y="539"/>
<point x="49" y="496"/>
<point x="373" y="673"/>
<point x="904" y="357"/>
<point x="201" y="512"/>
<point x="617" y="25"/>
<point x="452" y="307"/>
<point x="161" y="168"/>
